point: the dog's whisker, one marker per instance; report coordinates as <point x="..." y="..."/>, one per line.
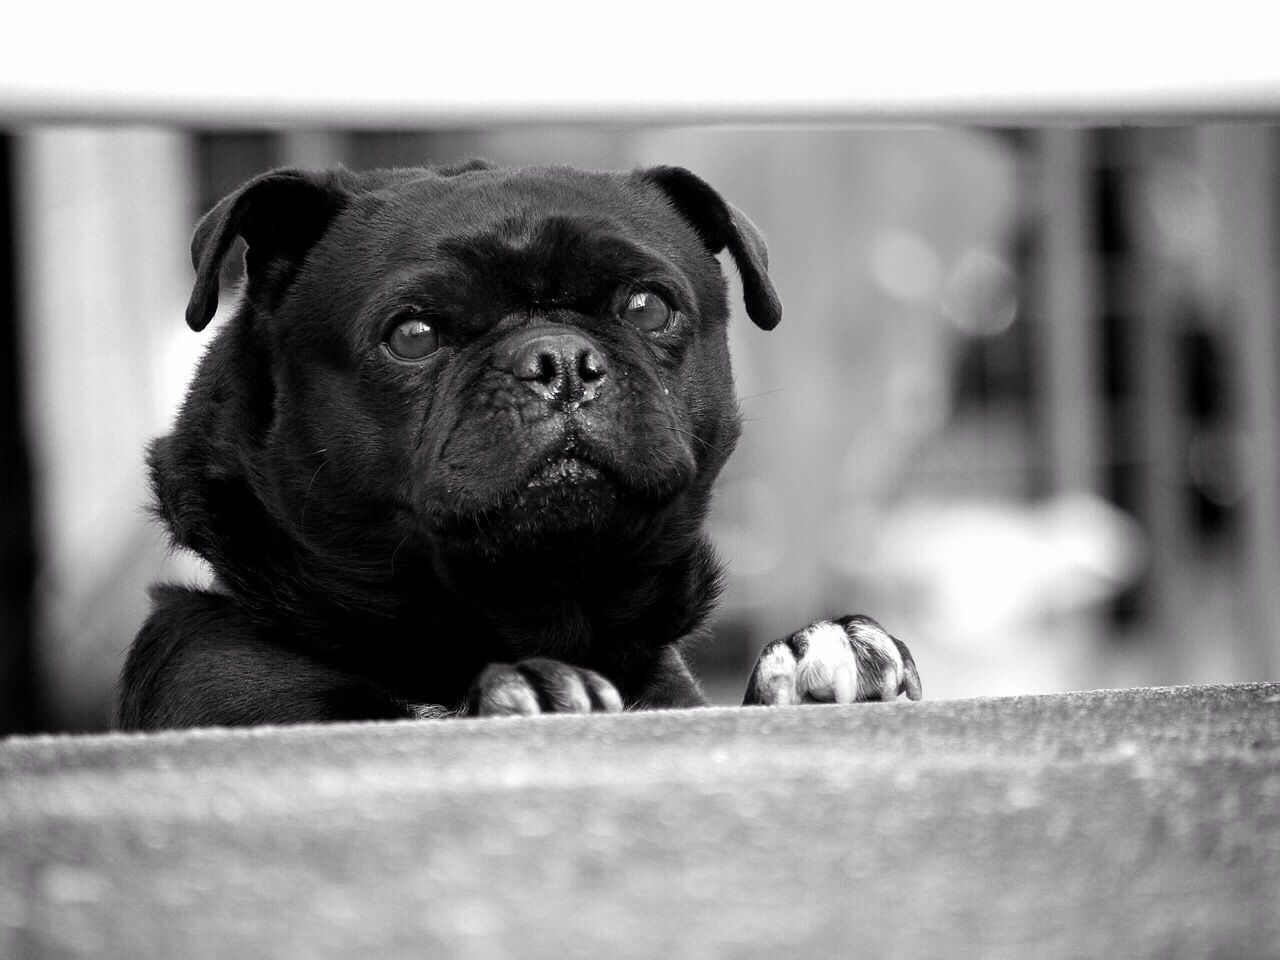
<point x="403" y="541"/>
<point x="764" y="393"/>
<point x="688" y="434"/>
<point x="306" y="497"/>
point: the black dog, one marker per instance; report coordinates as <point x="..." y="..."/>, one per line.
<point x="454" y="452"/>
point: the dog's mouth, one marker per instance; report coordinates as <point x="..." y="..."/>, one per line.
<point x="563" y="480"/>
<point x="565" y="469"/>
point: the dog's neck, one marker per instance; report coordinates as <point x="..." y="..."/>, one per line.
<point x="615" y="615"/>
<point x="438" y="618"/>
<point x="609" y="590"/>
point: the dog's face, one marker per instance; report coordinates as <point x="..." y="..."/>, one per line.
<point x="472" y="362"/>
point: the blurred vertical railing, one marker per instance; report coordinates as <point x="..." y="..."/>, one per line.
<point x="1149" y="299"/>
<point x="1242" y="163"/>
<point x="19" y="698"/>
<point x="1069" y="312"/>
<point x="104" y="217"/>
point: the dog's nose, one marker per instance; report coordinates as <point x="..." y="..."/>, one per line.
<point x="564" y="367"/>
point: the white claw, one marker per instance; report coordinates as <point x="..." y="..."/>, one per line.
<point x="846" y="684"/>
<point x="828" y="664"/>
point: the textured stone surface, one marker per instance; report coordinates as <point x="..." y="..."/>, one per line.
<point x="1122" y="823"/>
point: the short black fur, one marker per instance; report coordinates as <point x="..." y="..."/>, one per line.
<point x="381" y="530"/>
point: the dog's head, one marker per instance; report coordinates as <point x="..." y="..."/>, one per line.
<point x="465" y="361"/>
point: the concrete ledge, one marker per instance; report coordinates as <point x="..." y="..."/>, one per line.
<point x="1113" y="823"/>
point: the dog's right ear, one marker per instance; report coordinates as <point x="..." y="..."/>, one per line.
<point x="280" y="215"/>
<point x="722" y="225"/>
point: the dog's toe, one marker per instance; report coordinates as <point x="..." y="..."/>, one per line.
<point x="604" y="695"/>
<point x="540" y="685"/>
<point x="502" y="690"/>
<point x="773" y="682"/>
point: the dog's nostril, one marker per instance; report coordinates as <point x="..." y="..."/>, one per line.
<point x="537" y="363"/>
<point x="548" y="367"/>
<point x="591" y="365"/>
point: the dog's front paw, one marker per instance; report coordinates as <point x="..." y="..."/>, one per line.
<point x="539" y="685"/>
<point x="834" y="661"/>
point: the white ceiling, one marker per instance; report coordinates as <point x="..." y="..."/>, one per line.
<point x="382" y="63"/>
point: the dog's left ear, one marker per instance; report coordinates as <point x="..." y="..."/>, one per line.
<point x="280" y="215"/>
<point x="722" y="225"/>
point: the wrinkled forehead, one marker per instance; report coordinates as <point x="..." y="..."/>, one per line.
<point x="538" y="224"/>
<point x="513" y="206"/>
<point x="430" y="209"/>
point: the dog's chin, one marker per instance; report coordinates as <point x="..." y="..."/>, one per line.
<point x="561" y="506"/>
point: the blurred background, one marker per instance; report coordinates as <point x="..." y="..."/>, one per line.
<point x="1023" y="407"/>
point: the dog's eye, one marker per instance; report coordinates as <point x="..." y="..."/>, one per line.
<point x="413" y="339"/>
<point x="646" y="310"/>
